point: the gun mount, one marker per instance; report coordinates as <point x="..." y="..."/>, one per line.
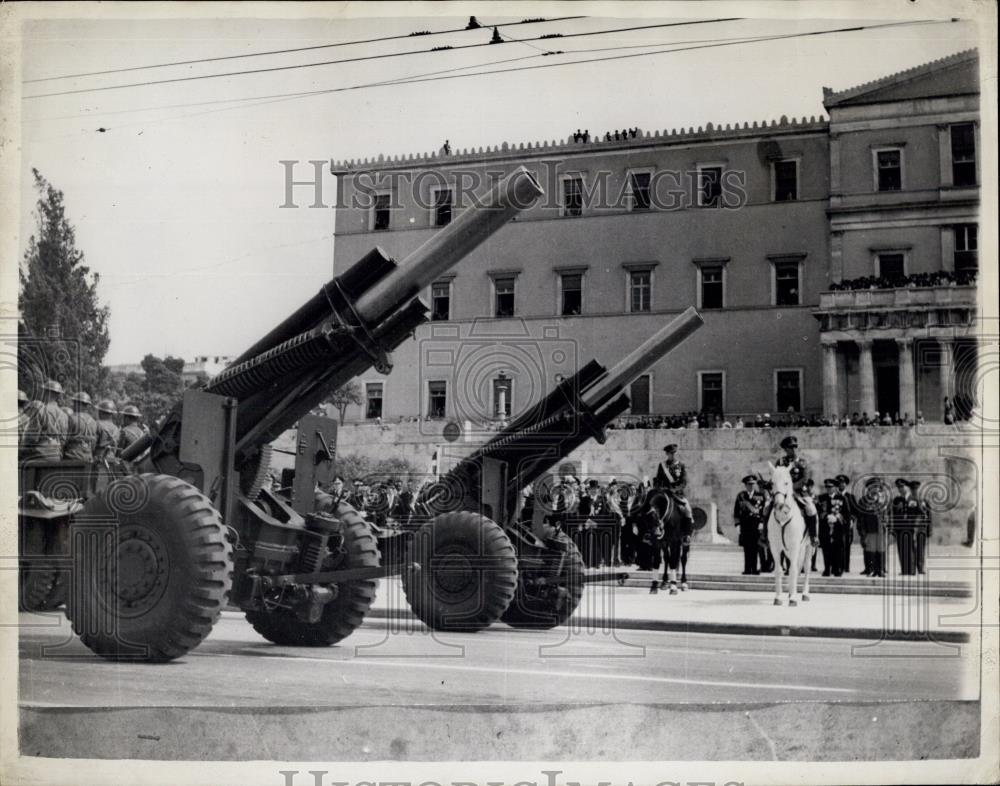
<point x="185" y="522"/>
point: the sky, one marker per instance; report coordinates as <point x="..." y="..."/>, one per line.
<point x="177" y="207"/>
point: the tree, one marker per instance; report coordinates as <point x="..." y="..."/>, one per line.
<point x="154" y="392"/>
<point x="58" y="301"/>
<point x="344" y="396"/>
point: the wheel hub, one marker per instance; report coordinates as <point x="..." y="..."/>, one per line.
<point x="142" y="571"/>
<point x="453" y="573"/>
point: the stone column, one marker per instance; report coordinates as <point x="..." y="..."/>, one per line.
<point x="831" y="399"/>
<point x="946" y="369"/>
<point x="866" y="374"/>
<point x="907" y="380"/>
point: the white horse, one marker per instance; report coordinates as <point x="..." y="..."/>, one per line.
<point x="786" y="533"/>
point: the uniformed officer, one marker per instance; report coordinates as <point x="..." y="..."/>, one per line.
<point x="748" y="515"/>
<point x="922" y="531"/>
<point x="907" y="519"/>
<point x="131" y="430"/>
<point x="107" y="430"/>
<point x="671" y="475"/>
<point x="47" y="424"/>
<point x="850" y="518"/>
<point x="832" y="525"/>
<point x="81" y="438"/>
<point x="872" y="511"/>
<point x="800" y="474"/>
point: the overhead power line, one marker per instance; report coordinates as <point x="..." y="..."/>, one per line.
<point x="385" y="55"/>
<point x="416" y="34"/>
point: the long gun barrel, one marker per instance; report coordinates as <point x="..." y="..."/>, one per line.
<point x="352" y="324"/>
<point x="578" y="409"/>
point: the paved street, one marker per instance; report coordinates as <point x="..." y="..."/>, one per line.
<point x="236" y="668"/>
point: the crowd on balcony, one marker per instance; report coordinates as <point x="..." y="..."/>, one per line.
<point x="789" y="419"/>
<point x="939" y="278"/>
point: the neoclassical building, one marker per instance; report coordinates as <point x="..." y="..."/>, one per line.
<point x="904" y="200"/>
<point x="776" y="231"/>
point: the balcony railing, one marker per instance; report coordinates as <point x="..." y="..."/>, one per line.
<point x="899" y="298"/>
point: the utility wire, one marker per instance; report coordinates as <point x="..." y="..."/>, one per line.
<point x="418" y="34"/>
<point x="386" y="55"/>
<point x="437" y="76"/>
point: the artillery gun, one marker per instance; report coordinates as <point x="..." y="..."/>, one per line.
<point x="480" y="561"/>
<point x="185" y="523"/>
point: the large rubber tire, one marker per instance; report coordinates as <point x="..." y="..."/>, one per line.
<point x="152" y="569"/>
<point x="467" y="575"/>
<point x="342" y="615"/>
<point x="542" y="613"/>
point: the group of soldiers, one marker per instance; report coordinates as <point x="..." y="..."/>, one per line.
<point x="833" y="517"/>
<point x="48" y="430"/>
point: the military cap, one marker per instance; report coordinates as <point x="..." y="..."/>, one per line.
<point x="789" y="442"/>
<point x="876" y="481"/>
<point x="82" y="397"/>
<point x="749" y="478"/>
<point x="21" y="396"/>
<point x="830" y="482"/>
<point x="671" y="448"/>
<point x="592" y="483"/>
<point x="900" y="482"/>
<point x="842" y="479"/>
<point x="914" y="484"/>
<point x="108" y="406"/>
<point x="130" y="411"/>
<point x="53" y="386"/>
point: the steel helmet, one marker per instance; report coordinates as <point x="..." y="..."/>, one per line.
<point x="130" y="411"/>
<point x="53" y="386"/>
<point x="21" y="396"/>
<point x="108" y="406"/>
<point x="82" y="397"/>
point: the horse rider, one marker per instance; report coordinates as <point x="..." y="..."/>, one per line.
<point x="131" y="430"/>
<point x="832" y="528"/>
<point x="850" y="517"/>
<point x="81" y="437"/>
<point x="800" y="474"/>
<point x="671" y="476"/>
<point x="108" y="432"/>
<point x="46" y="426"/>
<point x="748" y="515"/>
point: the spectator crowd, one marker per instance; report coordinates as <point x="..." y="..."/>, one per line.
<point x="939" y="278"/>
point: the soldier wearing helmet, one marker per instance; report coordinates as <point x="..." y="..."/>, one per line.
<point x="131" y="430"/>
<point x="107" y="430"/>
<point x="82" y="435"/>
<point x="46" y="427"/>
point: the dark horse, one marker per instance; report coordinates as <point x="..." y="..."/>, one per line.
<point x="672" y="529"/>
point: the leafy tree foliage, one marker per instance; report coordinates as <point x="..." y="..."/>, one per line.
<point x="153" y="392"/>
<point x="343" y="397"/>
<point x="66" y="326"/>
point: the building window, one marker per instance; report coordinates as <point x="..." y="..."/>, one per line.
<point x="963" y="154"/>
<point x="786" y="180"/>
<point x="966" y="247"/>
<point x="640" y="285"/>
<point x="639" y="394"/>
<point x="373" y="400"/>
<point x="892" y="266"/>
<point x="786" y="283"/>
<point x="711" y="287"/>
<point x="441" y="301"/>
<point x="573" y="196"/>
<point x="504" y="298"/>
<point x="380" y="212"/>
<point x="442" y="207"/>
<point x="889" y="169"/>
<point x="639" y="190"/>
<point x="503" y="391"/>
<point x="788" y="389"/>
<point x="709" y="186"/>
<point x="437" y="398"/>
<point x="571" y="294"/>
<point x="711" y="391"/>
